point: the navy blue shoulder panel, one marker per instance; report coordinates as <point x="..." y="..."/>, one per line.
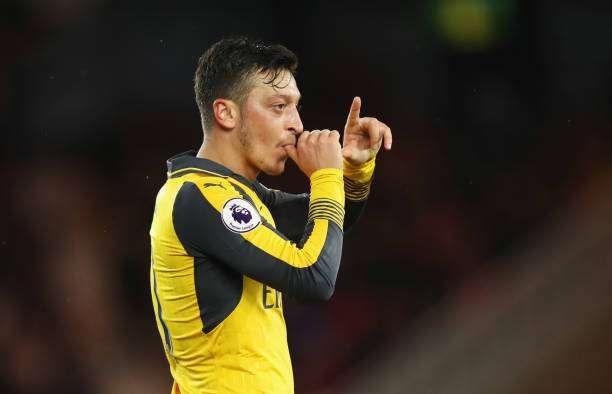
<point x="218" y="287"/>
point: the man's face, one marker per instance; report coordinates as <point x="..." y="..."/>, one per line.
<point x="270" y="121"/>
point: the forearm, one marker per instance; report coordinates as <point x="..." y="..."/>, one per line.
<point x="315" y="280"/>
<point x="304" y="270"/>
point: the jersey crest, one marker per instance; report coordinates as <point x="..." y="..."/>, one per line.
<point x="240" y="216"/>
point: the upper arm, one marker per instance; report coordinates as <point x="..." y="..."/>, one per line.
<point x="290" y="211"/>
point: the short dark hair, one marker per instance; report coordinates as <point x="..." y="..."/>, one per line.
<point x="226" y="68"/>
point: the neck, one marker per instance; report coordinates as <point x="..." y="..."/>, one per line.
<point x="228" y="153"/>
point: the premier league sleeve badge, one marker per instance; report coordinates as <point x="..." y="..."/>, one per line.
<point x="240" y="216"/>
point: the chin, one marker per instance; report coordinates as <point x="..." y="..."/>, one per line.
<point x="275" y="170"/>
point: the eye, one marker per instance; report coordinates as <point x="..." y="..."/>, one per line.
<point x="280" y="107"/>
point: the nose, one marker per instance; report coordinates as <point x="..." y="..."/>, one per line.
<point x="295" y="125"/>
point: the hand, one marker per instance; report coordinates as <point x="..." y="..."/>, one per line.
<point x="363" y="137"/>
<point x="315" y="150"/>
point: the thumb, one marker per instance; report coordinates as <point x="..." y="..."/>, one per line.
<point x="292" y="152"/>
<point x="347" y="152"/>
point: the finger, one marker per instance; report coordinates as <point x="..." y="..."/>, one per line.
<point x="387" y="137"/>
<point x="353" y="116"/>
<point x="334" y="134"/>
<point x="347" y="152"/>
<point x="303" y="139"/>
<point x="374" y="130"/>
<point x="292" y="152"/>
<point x="314" y="137"/>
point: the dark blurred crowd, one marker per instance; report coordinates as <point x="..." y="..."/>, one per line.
<point x="494" y="135"/>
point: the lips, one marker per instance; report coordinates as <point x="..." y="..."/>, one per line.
<point x="287" y="143"/>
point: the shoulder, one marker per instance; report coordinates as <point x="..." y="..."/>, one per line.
<point x="202" y="199"/>
<point x="214" y="190"/>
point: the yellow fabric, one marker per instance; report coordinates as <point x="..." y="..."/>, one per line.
<point x="361" y="173"/>
<point x="327" y="196"/>
<point x="247" y="352"/>
<point x="327" y="183"/>
<point x="358" y="179"/>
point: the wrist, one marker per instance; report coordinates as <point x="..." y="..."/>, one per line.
<point x="327" y="195"/>
<point x="327" y="183"/>
<point x="360" y="173"/>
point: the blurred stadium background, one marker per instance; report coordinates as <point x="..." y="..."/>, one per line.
<point x="483" y="263"/>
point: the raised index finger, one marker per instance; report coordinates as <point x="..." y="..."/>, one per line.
<point x="353" y="115"/>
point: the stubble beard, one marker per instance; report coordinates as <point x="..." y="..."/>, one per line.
<point x="245" y="138"/>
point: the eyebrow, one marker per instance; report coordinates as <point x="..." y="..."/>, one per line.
<point x="287" y="97"/>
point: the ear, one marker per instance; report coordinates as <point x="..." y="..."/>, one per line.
<point x="226" y="113"/>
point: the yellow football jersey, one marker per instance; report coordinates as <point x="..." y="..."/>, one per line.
<point x="224" y="250"/>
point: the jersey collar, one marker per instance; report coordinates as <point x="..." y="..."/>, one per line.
<point x="187" y="162"/>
